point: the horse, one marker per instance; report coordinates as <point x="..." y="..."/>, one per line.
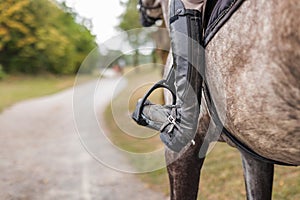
<point x="252" y="69"/>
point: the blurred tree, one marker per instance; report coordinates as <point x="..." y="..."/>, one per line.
<point x="137" y="37"/>
<point x="39" y="36"/>
<point x="129" y="20"/>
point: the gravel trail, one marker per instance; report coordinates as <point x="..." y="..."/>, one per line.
<point x="41" y="156"/>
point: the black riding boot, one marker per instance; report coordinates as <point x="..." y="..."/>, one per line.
<point x="178" y="123"/>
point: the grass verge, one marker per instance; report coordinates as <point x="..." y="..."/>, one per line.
<point x="121" y="126"/>
<point x="222" y="175"/>
<point x="17" y="88"/>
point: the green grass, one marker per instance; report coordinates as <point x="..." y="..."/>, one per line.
<point x="119" y="122"/>
<point x="222" y="175"/>
<point x="20" y="87"/>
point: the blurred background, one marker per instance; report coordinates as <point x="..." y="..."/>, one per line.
<point x="54" y="57"/>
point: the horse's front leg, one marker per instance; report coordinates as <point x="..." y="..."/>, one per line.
<point x="258" y="177"/>
<point x="184" y="170"/>
<point x="184" y="175"/>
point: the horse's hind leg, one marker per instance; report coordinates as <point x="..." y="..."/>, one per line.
<point x="258" y="177"/>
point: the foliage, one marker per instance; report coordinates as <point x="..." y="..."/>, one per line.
<point x="130" y="18"/>
<point x="143" y="38"/>
<point x="129" y="21"/>
<point x="2" y="73"/>
<point x="39" y="36"/>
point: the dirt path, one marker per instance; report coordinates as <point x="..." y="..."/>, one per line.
<point x="41" y="156"/>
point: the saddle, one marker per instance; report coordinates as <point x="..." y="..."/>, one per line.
<point x="215" y="15"/>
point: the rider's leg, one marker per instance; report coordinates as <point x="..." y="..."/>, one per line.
<point x="178" y="123"/>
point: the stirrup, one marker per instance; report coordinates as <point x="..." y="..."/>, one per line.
<point x="168" y="84"/>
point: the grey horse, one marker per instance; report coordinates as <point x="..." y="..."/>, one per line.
<point x="252" y="71"/>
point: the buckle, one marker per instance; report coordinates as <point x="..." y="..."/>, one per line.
<point x="172" y="120"/>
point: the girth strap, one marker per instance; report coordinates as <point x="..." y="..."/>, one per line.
<point x="216" y="14"/>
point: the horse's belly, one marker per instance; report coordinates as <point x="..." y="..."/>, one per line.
<point x="252" y="70"/>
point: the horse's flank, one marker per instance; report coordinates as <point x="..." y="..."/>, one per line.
<point x="253" y="65"/>
<point x="254" y="77"/>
